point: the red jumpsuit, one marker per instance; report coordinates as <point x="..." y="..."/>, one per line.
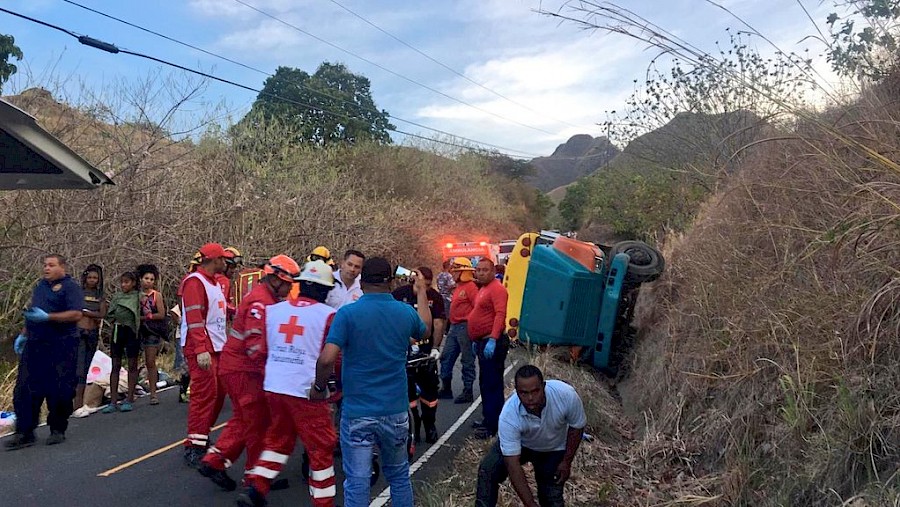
<point x="295" y="335"/>
<point x="207" y="396"/>
<point x="241" y="374"/>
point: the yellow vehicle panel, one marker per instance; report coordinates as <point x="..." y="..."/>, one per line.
<point x="514" y="278"/>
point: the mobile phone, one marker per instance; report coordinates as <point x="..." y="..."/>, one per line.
<point x="401" y="271"/>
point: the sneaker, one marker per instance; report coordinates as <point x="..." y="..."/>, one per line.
<point x="477" y="424"/>
<point x="219" y="477"/>
<point x="126" y="407"/>
<point x="82" y="412"/>
<point x="431" y="435"/>
<point x="56" y="437"/>
<point x="193" y="456"/>
<point x="109" y="409"/>
<point x="251" y="498"/>
<point x="465" y="397"/>
<point x="19" y="441"/>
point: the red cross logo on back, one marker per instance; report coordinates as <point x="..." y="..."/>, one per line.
<point x="290" y="329"/>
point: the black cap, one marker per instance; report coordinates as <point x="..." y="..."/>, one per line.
<point x="376" y="270"/>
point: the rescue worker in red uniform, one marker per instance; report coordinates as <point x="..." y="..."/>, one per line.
<point x="241" y="374"/>
<point x="295" y="334"/>
<point x="185" y="379"/>
<point x="203" y="335"/>
<point x="233" y="262"/>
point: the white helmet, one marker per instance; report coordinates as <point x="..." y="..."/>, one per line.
<point x="317" y="272"/>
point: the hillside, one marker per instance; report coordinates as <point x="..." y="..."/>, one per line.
<point x="244" y="187"/>
<point x="579" y="156"/>
<point x="661" y="177"/>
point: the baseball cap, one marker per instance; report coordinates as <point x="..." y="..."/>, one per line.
<point x="212" y="251"/>
<point x="376" y="270"/>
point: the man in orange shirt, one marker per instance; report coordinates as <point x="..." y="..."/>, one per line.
<point x="487" y="326"/>
<point x="457" y="343"/>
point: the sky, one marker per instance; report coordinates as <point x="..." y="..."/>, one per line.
<point x="521" y="82"/>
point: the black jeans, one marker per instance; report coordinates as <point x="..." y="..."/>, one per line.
<point x="492" y="472"/>
<point x="490" y="380"/>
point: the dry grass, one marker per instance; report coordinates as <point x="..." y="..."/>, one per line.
<point x="771" y="344"/>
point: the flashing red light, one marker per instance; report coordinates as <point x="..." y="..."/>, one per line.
<point x="525" y="252"/>
<point x="513" y="322"/>
<point x="483" y="243"/>
<point x="512" y="333"/>
<point x="526" y="241"/>
<point x="449" y="245"/>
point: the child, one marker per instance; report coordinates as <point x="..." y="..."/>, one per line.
<point x="125" y="316"/>
<point x="153" y="323"/>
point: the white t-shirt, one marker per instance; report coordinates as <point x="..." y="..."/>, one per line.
<point x="341" y="295"/>
<point x="518" y="428"/>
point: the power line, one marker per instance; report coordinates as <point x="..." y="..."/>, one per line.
<point x="451" y="69"/>
<point x="389" y="71"/>
<point x="111" y="48"/>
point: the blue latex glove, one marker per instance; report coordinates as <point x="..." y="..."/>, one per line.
<point x="489" y="348"/>
<point x="19" y="344"/>
<point x="35" y="314"/>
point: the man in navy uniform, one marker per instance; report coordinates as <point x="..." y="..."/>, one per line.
<point x="47" y="350"/>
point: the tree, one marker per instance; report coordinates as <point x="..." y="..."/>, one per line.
<point x="512" y="168"/>
<point x="332" y="105"/>
<point x="572" y="208"/>
<point x="8" y="49"/>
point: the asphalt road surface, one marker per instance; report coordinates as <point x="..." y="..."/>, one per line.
<point x="135" y="459"/>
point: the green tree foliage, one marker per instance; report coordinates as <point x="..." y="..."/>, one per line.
<point x="8" y="49"/>
<point x="333" y="105"/>
<point x="513" y="168"/>
<point x="869" y="52"/>
<point x="574" y="205"/>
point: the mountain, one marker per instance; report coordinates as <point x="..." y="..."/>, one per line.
<point x="579" y="156"/>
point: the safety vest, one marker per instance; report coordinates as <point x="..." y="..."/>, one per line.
<point x="295" y="334"/>
<point x="215" y="314"/>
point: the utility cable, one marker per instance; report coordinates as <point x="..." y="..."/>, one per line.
<point x="389" y="71"/>
<point x="451" y="69"/>
<point x="111" y="48"/>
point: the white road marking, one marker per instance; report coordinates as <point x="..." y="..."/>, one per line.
<point x="385" y="496"/>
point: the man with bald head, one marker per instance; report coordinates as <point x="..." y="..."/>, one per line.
<point x="487" y="326"/>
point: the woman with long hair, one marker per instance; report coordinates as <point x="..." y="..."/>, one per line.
<point x="153" y="323"/>
<point x="93" y="310"/>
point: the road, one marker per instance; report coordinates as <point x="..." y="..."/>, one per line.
<point x="135" y="459"/>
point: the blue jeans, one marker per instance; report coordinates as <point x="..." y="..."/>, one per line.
<point x="359" y="436"/>
<point x="458" y="344"/>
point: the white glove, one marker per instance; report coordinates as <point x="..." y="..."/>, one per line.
<point x="435" y="353"/>
<point x="204" y="360"/>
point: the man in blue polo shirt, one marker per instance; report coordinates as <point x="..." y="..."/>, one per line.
<point x="374" y="334"/>
<point x="47" y="350"/>
<point x="542" y="423"/>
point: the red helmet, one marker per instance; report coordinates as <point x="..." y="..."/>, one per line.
<point x="283" y="267"/>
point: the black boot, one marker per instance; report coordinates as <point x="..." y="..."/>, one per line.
<point x="429" y="416"/>
<point x="19" y="441"/>
<point x="446" y="392"/>
<point x="465" y="397"/>
<point x="251" y="498"/>
<point x="219" y="477"/>
<point x="431" y="435"/>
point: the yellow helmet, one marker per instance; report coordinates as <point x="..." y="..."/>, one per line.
<point x="461" y="264"/>
<point x="321" y="253"/>
<point x="196" y="259"/>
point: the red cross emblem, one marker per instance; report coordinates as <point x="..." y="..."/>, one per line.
<point x="290" y="329"/>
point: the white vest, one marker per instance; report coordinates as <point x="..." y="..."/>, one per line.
<point x="295" y="334"/>
<point x="215" y="314"/>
